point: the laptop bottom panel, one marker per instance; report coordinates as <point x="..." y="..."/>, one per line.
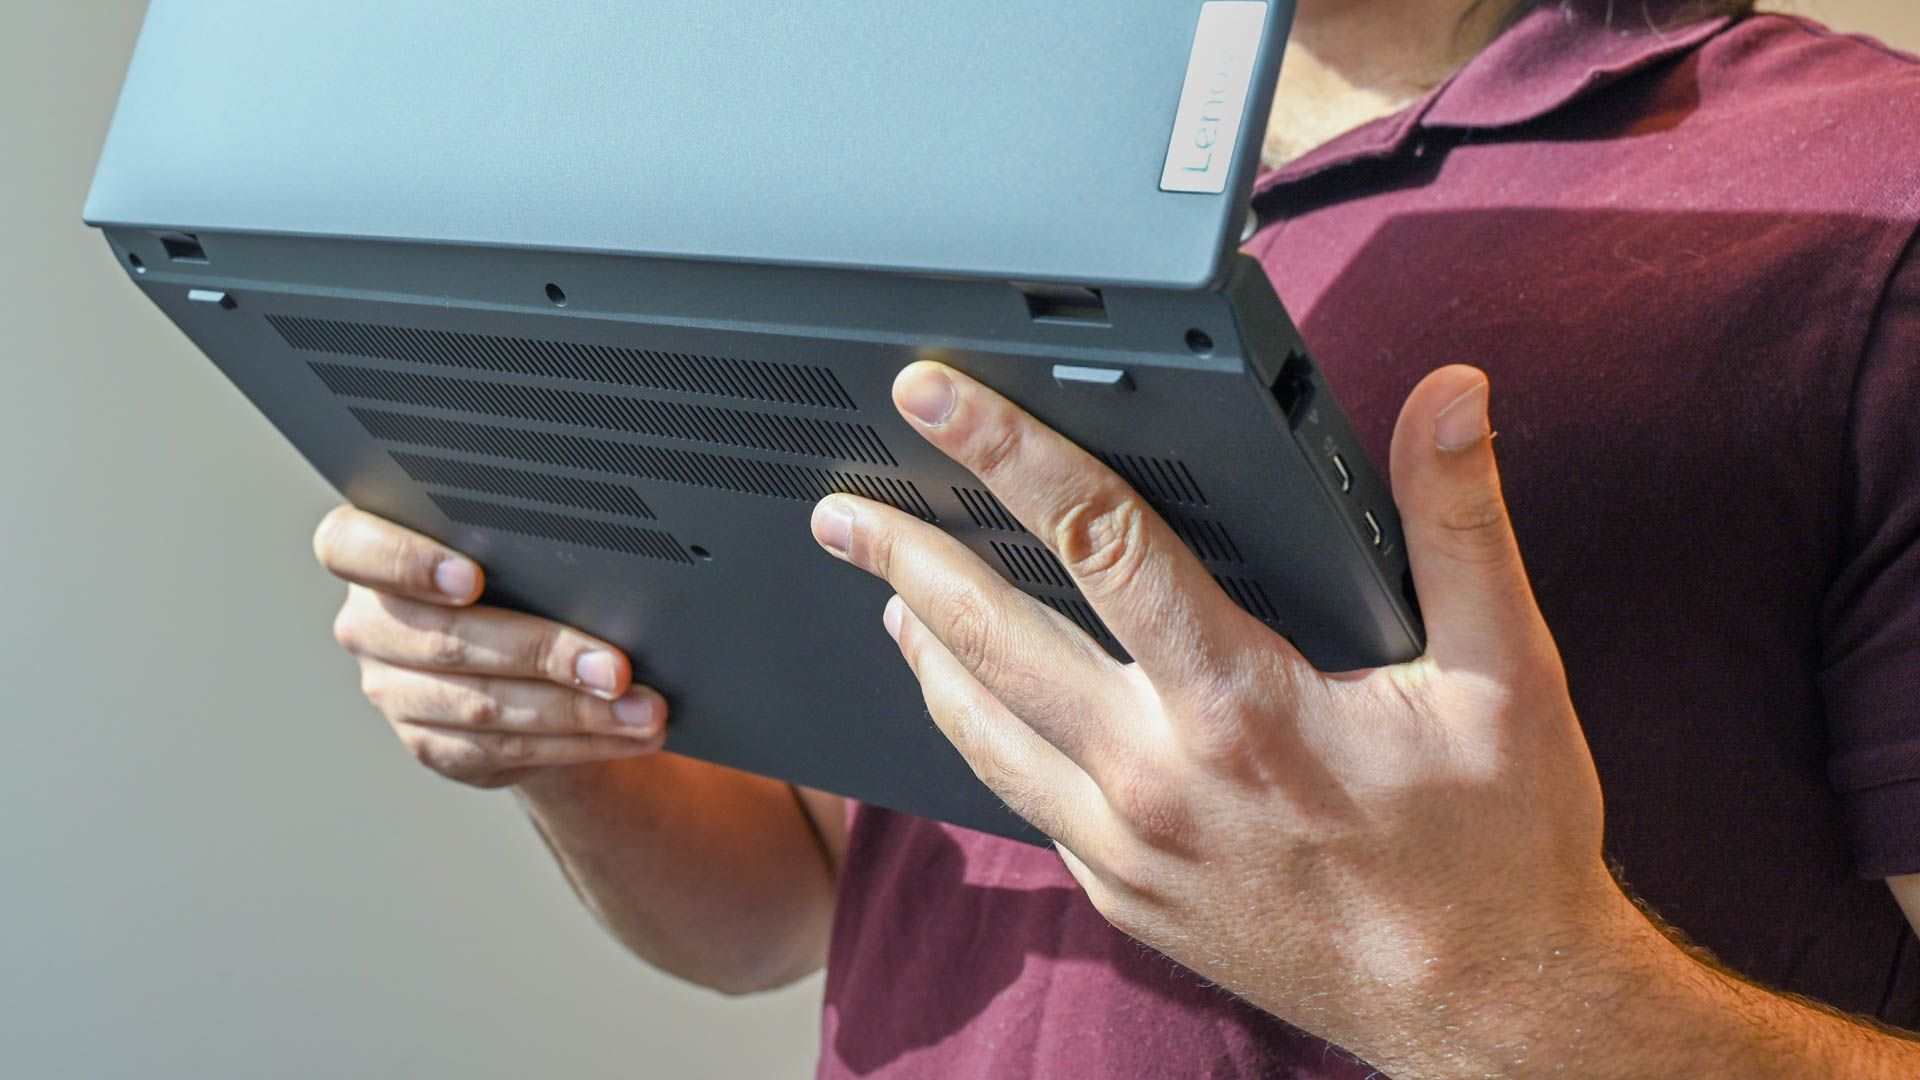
<point x="634" y="448"/>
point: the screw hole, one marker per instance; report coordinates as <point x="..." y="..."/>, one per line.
<point x="139" y="266"/>
<point x="556" y="294"/>
<point x="1199" y="341"/>
<point x="700" y="552"/>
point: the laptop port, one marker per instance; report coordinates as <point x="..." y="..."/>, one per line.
<point x="183" y="247"/>
<point x="1340" y="470"/>
<point x="1294" y="387"/>
<point x="1063" y="303"/>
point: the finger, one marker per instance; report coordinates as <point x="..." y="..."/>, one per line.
<point x="478" y="641"/>
<point x="520" y="706"/>
<point x="1474" y="594"/>
<point x="371" y="551"/>
<point x="493" y="758"/>
<point x="1045" y="670"/>
<point x="1147" y="586"/>
<point x="1028" y="773"/>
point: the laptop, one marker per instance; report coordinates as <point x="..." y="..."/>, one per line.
<point x="608" y="296"/>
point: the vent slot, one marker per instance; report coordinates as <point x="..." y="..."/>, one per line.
<point x="1248" y="594"/>
<point x="520" y="484"/>
<point x="795" y="435"/>
<point x="1208" y="539"/>
<point x="770" y="478"/>
<point x="1031" y="565"/>
<point x="626" y="539"/>
<point x="987" y="512"/>
<point x="1162" y="480"/>
<point x="686" y="373"/>
<point x="1082" y="615"/>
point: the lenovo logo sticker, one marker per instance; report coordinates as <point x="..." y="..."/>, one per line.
<point x="1207" y="124"/>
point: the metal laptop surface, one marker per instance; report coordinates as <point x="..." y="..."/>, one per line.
<point x="609" y="297"/>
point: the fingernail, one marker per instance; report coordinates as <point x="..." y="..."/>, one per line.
<point x="454" y="578"/>
<point x="638" y="711"/>
<point x="890" y="618"/>
<point x="596" y="672"/>
<point x="833" y="527"/>
<point x="1463" y="421"/>
<point x="928" y="396"/>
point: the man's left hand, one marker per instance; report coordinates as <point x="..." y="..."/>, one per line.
<point x="1350" y="852"/>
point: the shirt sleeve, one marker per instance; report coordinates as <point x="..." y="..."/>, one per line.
<point x="1870" y="673"/>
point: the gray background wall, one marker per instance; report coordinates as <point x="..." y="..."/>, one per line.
<point x="214" y="860"/>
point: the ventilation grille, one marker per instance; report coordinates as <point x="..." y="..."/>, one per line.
<point x="687" y="373"/>
<point x="607" y="536"/>
<point x="773" y="479"/>
<point x="520" y="484"/>
<point x="1248" y="594"/>
<point x="1162" y="480"/>
<point x="986" y="511"/>
<point x="1208" y="539"/>
<point x="1082" y="615"/>
<point x="612" y="412"/>
<point x="1031" y="565"/>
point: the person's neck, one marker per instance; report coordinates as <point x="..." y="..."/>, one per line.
<point x="1351" y="61"/>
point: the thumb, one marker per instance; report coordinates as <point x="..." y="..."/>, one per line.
<point x="1474" y="593"/>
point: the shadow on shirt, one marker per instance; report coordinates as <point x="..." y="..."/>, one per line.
<point x="902" y="989"/>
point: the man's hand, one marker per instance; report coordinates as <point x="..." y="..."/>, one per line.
<point x="479" y="695"/>
<point x="1406" y="861"/>
<point x="719" y="877"/>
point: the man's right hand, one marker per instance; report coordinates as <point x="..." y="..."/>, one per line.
<point x="480" y="695"/>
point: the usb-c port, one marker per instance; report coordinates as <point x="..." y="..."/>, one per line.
<point x="1374" y="532"/>
<point x="1340" y="470"/>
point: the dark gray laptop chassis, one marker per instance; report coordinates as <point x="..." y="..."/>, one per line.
<point x="630" y="439"/>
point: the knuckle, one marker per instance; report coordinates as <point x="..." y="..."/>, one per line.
<point x="347" y="629"/>
<point x="457" y="760"/>
<point x="1475" y="526"/>
<point x="406" y="563"/>
<point x="544" y="646"/>
<point x="445" y="648"/>
<point x="1149" y="804"/>
<point x="512" y="748"/>
<point x="374" y="686"/>
<point x="966" y="731"/>
<point x="418" y="747"/>
<point x="479" y="710"/>
<point x="996" y="443"/>
<point x="968" y="627"/>
<point x="584" y="713"/>
<point x="1102" y="536"/>
<point x="995" y="764"/>
<point x="1222" y="739"/>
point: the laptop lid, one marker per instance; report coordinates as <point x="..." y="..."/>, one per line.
<point x="1074" y="141"/>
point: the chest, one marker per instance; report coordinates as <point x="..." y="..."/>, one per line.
<point x="1671" y="385"/>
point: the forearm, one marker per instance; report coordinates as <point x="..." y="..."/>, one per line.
<point x="1633" y="1003"/>
<point x="712" y="875"/>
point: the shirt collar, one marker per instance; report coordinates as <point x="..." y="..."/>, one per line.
<point x="1551" y="58"/>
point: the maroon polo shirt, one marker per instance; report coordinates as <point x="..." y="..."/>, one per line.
<point x="1685" y="258"/>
